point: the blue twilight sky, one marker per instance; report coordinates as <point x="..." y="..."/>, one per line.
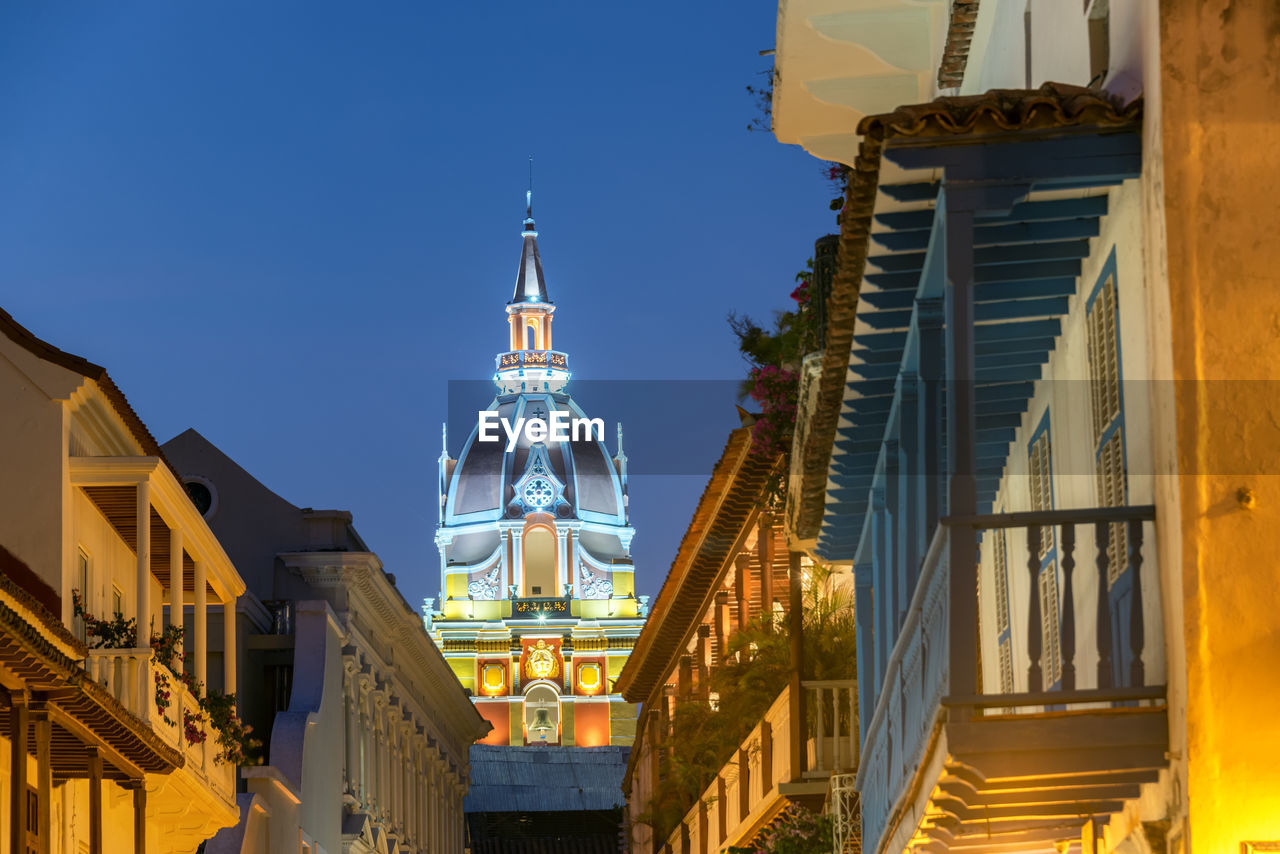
<point x="291" y="224"/>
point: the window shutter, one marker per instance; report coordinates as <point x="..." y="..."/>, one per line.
<point x="1104" y="376"/>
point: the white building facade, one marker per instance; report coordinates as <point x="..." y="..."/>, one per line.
<point x="366" y="731"/>
<point x="106" y="748"/>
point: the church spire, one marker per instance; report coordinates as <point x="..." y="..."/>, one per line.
<point x="531" y="287"/>
<point x="530" y="364"/>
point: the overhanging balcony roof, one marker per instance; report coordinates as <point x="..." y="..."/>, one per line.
<point x="36" y="650"/>
<point x="1034" y="167"/>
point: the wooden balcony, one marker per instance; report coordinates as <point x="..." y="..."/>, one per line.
<point x="763" y="778"/>
<point x="1023" y="768"/>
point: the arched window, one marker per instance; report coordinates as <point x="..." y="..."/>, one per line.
<point x="540" y="562"/>
<point x="531" y="335"/>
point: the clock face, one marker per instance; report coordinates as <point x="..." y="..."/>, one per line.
<point x="538" y="493"/>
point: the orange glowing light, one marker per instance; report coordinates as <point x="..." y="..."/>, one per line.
<point x="590" y="679"/>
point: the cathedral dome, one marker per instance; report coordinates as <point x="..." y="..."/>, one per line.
<point x="587" y="484"/>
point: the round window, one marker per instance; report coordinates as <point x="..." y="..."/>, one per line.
<point x="201" y="493"/>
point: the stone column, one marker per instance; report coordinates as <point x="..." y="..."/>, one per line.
<point x="143" y="521"/>
<point x="517" y="563"/>
<point x="175" y="581"/>
<point x="420" y="823"/>
<point x="407" y="799"/>
<point x="437" y="780"/>
<point x="562" y="562"/>
<point x="394" y="777"/>
<point x="353" y="733"/>
<point x="384" y="747"/>
<point x="200" y="626"/>
<point x="228" y="645"/>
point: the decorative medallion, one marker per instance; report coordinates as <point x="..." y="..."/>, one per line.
<point x="542" y="661"/>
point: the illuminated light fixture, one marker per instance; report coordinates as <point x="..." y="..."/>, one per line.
<point x="589" y="678"/>
<point x="542" y="616"/>
<point x="493" y="679"/>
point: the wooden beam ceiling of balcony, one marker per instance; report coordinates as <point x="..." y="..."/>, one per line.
<point x="119" y="504"/>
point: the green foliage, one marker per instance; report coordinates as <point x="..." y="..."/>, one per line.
<point x="763" y="96"/>
<point x="235" y="744"/>
<point x="798" y="831"/>
<point x="116" y="633"/>
<point x="793" y="332"/>
<point x="746" y="683"/>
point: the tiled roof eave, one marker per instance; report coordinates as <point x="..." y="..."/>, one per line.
<point x="842" y="305"/>
<point x="44" y="643"/>
<point x="955" y="55"/>
<point x="20" y="335"/>
<point x="1000" y="112"/>
<point x="736" y="486"/>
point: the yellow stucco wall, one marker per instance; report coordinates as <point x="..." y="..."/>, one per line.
<point x="1218" y="99"/>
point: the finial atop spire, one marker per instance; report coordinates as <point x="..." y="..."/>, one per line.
<point x="530" y="286"/>
<point x="529" y="227"/>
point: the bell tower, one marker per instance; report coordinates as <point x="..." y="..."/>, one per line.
<point x="530" y="365"/>
<point x="537" y="610"/>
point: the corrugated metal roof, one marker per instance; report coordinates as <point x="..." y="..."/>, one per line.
<point x="545" y="779"/>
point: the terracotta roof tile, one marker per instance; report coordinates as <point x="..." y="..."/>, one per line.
<point x="1052" y="106"/>
<point x="23" y="337"/>
<point x="955" y="56"/>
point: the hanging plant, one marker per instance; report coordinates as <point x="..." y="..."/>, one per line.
<point x="193" y="728"/>
<point x="233" y="735"/>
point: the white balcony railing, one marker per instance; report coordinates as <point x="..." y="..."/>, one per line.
<point x="130" y="675"/>
<point x="749" y="783"/>
<point x="832" y="711"/>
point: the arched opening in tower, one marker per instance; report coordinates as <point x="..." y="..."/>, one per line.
<point x="540" y="562"/>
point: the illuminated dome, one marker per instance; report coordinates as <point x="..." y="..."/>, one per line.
<point x="491" y="495"/>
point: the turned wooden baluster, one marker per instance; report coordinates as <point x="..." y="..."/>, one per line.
<point x="1102" y="536"/>
<point x="1068" y="638"/>
<point x="1035" y="678"/>
<point x="1137" y="630"/>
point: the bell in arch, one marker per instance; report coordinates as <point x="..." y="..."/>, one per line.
<point x="542" y="721"/>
